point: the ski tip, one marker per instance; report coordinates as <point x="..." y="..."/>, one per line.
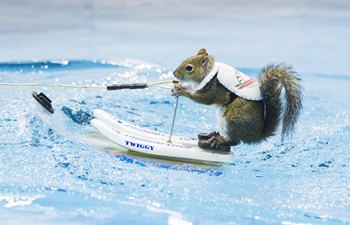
<point x="98" y="112"/>
<point x="44" y="101"/>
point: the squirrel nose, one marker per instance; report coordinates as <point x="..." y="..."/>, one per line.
<point x="174" y="73"/>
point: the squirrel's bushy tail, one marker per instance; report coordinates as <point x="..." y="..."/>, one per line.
<point x="273" y="78"/>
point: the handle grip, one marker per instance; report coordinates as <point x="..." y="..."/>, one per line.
<point x="126" y="86"/>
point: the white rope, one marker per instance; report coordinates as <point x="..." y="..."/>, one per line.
<point x="155" y="84"/>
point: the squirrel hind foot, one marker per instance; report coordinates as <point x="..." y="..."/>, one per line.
<point x="206" y="136"/>
<point x="214" y="142"/>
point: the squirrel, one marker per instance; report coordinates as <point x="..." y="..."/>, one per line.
<point x="248" y="111"/>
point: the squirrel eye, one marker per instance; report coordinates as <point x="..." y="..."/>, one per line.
<point x="189" y="68"/>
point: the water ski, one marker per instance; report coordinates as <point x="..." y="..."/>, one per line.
<point x="152" y="143"/>
<point x="121" y="137"/>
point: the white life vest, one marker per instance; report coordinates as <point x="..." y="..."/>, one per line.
<point x="234" y="80"/>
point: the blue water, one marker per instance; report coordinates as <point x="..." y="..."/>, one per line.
<point x="47" y="178"/>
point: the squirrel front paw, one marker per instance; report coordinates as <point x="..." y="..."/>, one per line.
<point x="180" y="90"/>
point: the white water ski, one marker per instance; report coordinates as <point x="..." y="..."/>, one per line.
<point x="63" y="125"/>
<point x="139" y="131"/>
<point x="115" y="134"/>
<point x="153" y="143"/>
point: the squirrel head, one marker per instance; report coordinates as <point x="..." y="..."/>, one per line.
<point x="195" y="68"/>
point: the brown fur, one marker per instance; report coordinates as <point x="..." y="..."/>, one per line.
<point x="248" y="121"/>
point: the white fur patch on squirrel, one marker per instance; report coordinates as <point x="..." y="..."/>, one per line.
<point x="222" y="122"/>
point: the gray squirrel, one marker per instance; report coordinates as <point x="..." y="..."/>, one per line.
<point x="248" y="112"/>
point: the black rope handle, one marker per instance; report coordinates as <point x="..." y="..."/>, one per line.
<point x="127" y="86"/>
<point x="131" y="86"/>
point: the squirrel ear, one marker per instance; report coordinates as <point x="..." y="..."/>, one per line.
<point x="202" y="51"/>
<point x="204" y="59"/>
